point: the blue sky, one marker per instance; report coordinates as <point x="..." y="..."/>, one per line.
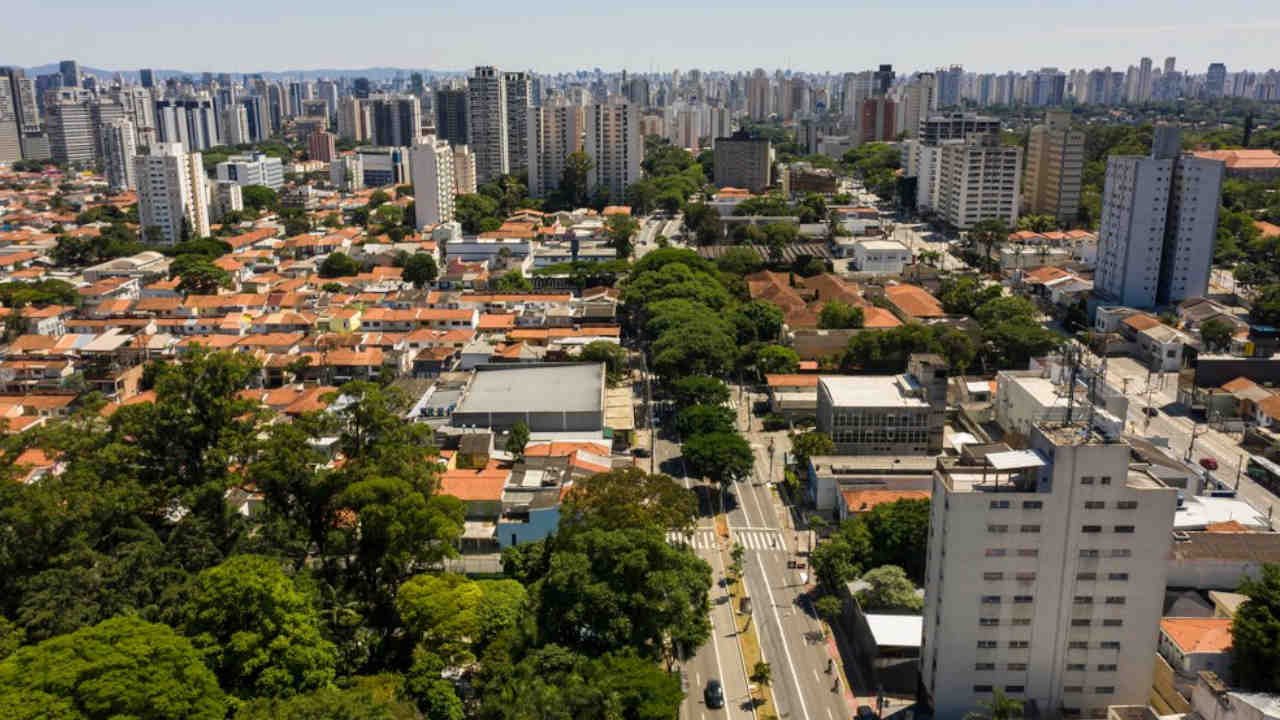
<point x="557" y="35"/>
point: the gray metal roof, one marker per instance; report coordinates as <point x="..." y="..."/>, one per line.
<point x="570" y="387"/>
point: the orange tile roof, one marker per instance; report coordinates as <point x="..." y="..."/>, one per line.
<point x="1198" y="635"/>
<point x="857" y="501"/>
<point x="791" y="380"/>
<point x="564" y="448"/>
<point x="1268" y="230"/>
<point x="1044" y="274"/>
<point x="1252" y="159"/>
<point x="1226" y="526"/>
<point x="616" y="210"/>
<point x="494" y="321"/>
<point x="1240" y="383"/>
<point x="1271" y="407"/>
<point x="877" y="318"/>
<point x="1141" y="321"/>
<point x="476" y="485"/>
<point x="914" y="301"/>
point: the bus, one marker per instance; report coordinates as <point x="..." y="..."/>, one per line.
<point x="1264" y="472"/>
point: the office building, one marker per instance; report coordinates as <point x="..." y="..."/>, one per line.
<point x="1055" y="162"/>
<point x="487" y="102"/>
<point x="615" y="146"/>
<point x="882" y="80"/>
<point x="10" y="129"/>
<point x="252" y="169"/>
<point x="451" y="115"/>
<point x="878" y="120"/>
<point x="191" y="121"/>
<point x="741" y="161"/>
<point x="234" y="125"/>
<point x="118" y="150"/>
<point x="431" y="164"/>
<point x="464" y="170"/>
<point x="758" y="95"/>
<point x="147" y="78"/>
<point x="355" y="119"/>
<point x="978" y="179"/>
<point x="173" y="200"/>
<point x="519" y="102"/>
<point x="255" y="110"/>
<point x="1048" y="88"/>
<point x="321" y="146"/>
<point x="949" y="81"/>
<point x="69" y="120"/>
<point x="886" y="414"/>
<point x="1215" y="81"/>
<point x="923" y="155"/>
<point x="855" y="87"/>
<point x="555" y="131"/>
<point x="70" y="72"/>
<point x="346" y="172"/>
<point x="956" y="126"/>
<point x="26" y="107"/>
<point x="1159" y="224"/>
<point x="382" y="166"/>
<point x="397" y="119"/>
<point x="919" y="100"/>
<point x="1045" y="576"/>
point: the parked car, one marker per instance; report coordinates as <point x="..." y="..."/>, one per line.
<point x="714" y="694"/>
<point x="1208" y="463"/>
<point x="864" y="713"/>
<point x="640" y="452"/>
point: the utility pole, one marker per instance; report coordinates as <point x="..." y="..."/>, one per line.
<point x="1194" y="434"/>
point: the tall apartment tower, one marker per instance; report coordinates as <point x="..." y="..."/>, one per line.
<point x="878" y="121"/>
<point x="397" y="120"/>
<point x="978" y="179"/>
<point x="519" y="104"/>
<point x="191" y="121"/>
<point x="1045" y="576"/>
<point x="233" y="125"/>
<point x="25" y="102"/>
<point x="1215" y="81"/>
<point x="742" y="161"/>
<point x="321" y="146"/>
<point x="451" y="115"/>
<point x="69" y="119"/>
<point x="1055" y="162"/>
<point x="919" y="100"/>
<point x="431" y="166"/>
<point x="1159" y="224"/>
<point x="487" y="101"/>
<point x="172" y="193"/>
<point x="118" y="151"/>
<point x="146" y="77"/>
<point x="555" y="131"/>
<point x="615" y="145"/>
<point x="1145" y="81"/>
<point x="70" y="72"/>
<point x="758" y="95"/>
<point x="464" y="170"/>
<point x="355" y="119"/>
<point x="10" y="129"/>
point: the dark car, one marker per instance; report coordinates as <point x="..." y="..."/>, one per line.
<point x="864" y="713"/>
<point x="1208" y="463"/>
<point x="1151" y="412"/>
<point x="714" y="694"/>
<point x="640" y="452"/>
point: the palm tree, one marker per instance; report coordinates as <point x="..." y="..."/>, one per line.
<point x="999" y="707"/>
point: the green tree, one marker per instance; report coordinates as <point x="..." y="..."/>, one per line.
<point x="574" y="186"/>
<point x="740" y="261"/>
<point x="1216" y="334"/>
<point x="719" y="456"/>
<point x="628" y="497"/>
<point x="829" y="608"/>
<point x="420" y="269"/>
<point x="338" y="264"/>
<point x="757" y="321"/>
<point x="613" y="355"/>
<point x="964" y="294"/>
<point x="836" y="315"/>
<point x="842" y="556"/>
<point x="999" y="707"/>
<point x="1038" y="223"/>
<point x="620" y="229"/>
<point x="811" y="444"/>
<point x="890" y="589"/>
<point x="1255" y="633"/>
<point x="518" y="438"/>
<point x="259" y="198"/>
<point x="389" y="215"/>
<point x="123" y="667"/>
<point x="699" y="390"/>
<point x="900" y="535"/>
<point x="199" y="276"/>
<point x="703" y="419"/>
<point x="378" y="198"/>
<point x="762" y="674"/>
<point x="990" y="234"/>
<point x="704" y="347"/>
<point x="368" y="699"/>
<point x="777" y="359"/>
<point x="476" y="213"/>
<point x="257" y="631"/>
<point x="512" y="282"/>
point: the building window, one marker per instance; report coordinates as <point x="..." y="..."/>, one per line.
<point x="1078" y="645"/>
<point x="1091" y="529"/>
<point x="1112" y="622"/>
<point x="1083" y="600"/>
<point x="1088" y="553"/>
<point x="1023" y="599"/>
<point x="1026" y="577"/>
<point x="1124" y="529"/>
<point x="1086" y="480"/>
<point x="996" y="552"/>
<point x="1020" y="622"/>
<point x="1076" y="667"/>
<point x="987" y="644"/>
<point x="999" y="505"/>
<point x="1013" y="688"/>
<point x="1028" y="552"/>
<point x="1030" y="528"/>
<point x="984" y="666"/>
<point x="1121" y="553"/>
<point x="1081" y="622"/>
<point x="1094" y="505"/>
<point x="992" y="576"/>
<point x="982" y="688"/>
<point x="1115" y="599"/>
<point x="1109" y="645"/>
<point x="1032" y="504"/>
<point x="990" y="599"/>
<point x="1019" y="644"/>
<point x="1105" y="480"/>
<point x="1107" y="667"/>
<point x="1127" y="505"/>
<point x="998" y="528"/>
<point x="1104" y="690"/>
<point x="988" y="622"/>
<point x="1086" y="576"/>
<point x="1118" y="576"/>
<point x="1017" y="667"/>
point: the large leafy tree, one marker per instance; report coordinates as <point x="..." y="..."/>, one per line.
<point x="338" y="264"/>
<point x="809" y="444"/>
<point x="123" y="667"/>
<point x="720" y="456"/>
<point x="628" y="497"/>
<point x="420" y="269"/>
<point x="837" y="315"/>
<point x="1255" y="633"/>
<point x="702" y="419"/>
<point x="889" y="589"/>
<point x="258" y="632"/>
<point x="777" y="359"/>
<point x="453" y="617"/>
<point x="613" y="355"/>
<point x="368" y="698"/>
<point x="700" y="390"/>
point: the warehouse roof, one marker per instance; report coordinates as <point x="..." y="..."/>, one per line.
<point x="542" y="387"/>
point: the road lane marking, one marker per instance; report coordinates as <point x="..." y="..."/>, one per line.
<point x="786" y="650"/>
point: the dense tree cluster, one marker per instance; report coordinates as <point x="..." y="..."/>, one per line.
<point x="895" y="533"/>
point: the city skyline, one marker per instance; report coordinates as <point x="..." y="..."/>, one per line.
<point x="715" y="36"/>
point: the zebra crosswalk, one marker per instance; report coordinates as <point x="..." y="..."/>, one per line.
<point x="705" y="539"/>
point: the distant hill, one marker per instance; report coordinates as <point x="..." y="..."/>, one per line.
<point x="374" y="73"/>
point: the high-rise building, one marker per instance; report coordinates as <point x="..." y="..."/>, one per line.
<point x="878" y="121"/>
<point x="431" y="164"/>
<point x="118" y="151"/>
<point x="519" y="101"/>
<point x="70" y="72"/>
<point x="487" y="102"/>
<point x="172" y="194"/>
<point x="252" y="169"/>
<point x="355" y="119"/>
<point x="956" y="126"/>
<point x="224" y="197"/>
<point x="855" y="87"/>
<point x="10" y="130"/>
<point x="146" y="76"/>
<point x="191" y="121"/>
<point x="882" y="80"/>
<point x="234" y="125"/>
<point x="919" y="100"/>
<point x="1215" y="81"/>
<point x="464" y="170"/>
<point x="978" y="179"/>
<point x="397" y="119"/>
<point x="742" y="161"/>
<point x="255" y="108"/>
<point x="1159" y="224"/>
<point x="451" y="115"/>
<point x="69" y="119"/>
<point x="1045" y="576"/>
<point x="555" y="131"/>
<point x="614" y="143"/>
<point x="26" y="105"/>
<point x="758" y="95"/>
<point x="1144" y="81"/>
<point x="949" y="81"/>
<point x="1055" y="163"/>
<point x="321" y="146"/>
<point x="1048" y="87"/>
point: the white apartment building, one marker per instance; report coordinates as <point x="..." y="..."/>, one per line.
<point x="555" y="132"/>
<point x="918" y="100"/>
<point x="191" y="121"/>
<point x="978" y="179"/>
<point x="519" y="106"/>
<point x="10" y="130"/>
<point x="431" y="166"/>
<point x="614" y="143"/>
<point x="252" y="169"/>
<point x="69" y="120"/>
<point x="355" y="119"/>
<point x="118" y="151"/>
<point x="1159" y="225"/>
<point x="464" y="170"/>
<point x="487" y="98"/>
<point x="234" y="121"/>
<point x="1046" y="576"/>
<point x="1055" y="163"/>
<point x="172" y="195"/>
<point x="880" y="256"/>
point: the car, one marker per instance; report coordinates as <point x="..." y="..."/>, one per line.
<point x="1150" y="411"/>
<point x="714" y="694"/>
<point x="864" y="712"/>
<point x="1208" y="463"/>
<point x="640" y="452"/>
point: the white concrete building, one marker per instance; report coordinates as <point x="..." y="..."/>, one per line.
<point x="614" y="143"/>
<point x="1045" y="577"/>
<point x="234" y="125"/>
<point x="464" y="170"/>
<point x="346" y="172"/>
<point x="224" y="197"/>
<point x="978" y="179"/>
<point x="431" y="164"/>
<point x="487" y="97"/>
<point x="1024" y="397"/>
<point x="880" y="256"/>
<point x="252" y="169"/>
<point x="118" y="151"/>
<point x="555" y="132"/>
<point x="1055" y="165"/>
<point x="171" y="193"/>
<point x="1159" y="225"/>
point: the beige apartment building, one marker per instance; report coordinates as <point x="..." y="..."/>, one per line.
<point x="1055" y="162"/>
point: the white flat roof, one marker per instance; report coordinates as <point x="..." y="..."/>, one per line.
<point x="1197" y="512"/>
<point x="870" y="391"/>
<point x="896" y="630"/>
<point x="1015" y="460"/>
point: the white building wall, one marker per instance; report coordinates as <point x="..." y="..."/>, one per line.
<point x="433" y="191"/>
